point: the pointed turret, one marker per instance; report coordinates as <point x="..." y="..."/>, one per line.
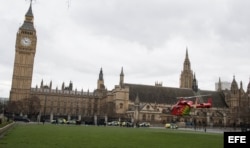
<point x="241" y="85"/>
<point x="234" y="86"/>
<point x="100" y="81"/>
<point x="63" y="86"/>
<point x="28" y="22"/>
<point x="187" y="65"/>
<point x="41" y="86"/>
<point x="248" y="87"/>
<point x="29" y="12"/>
<point x="122" y="79"/>
<point x="219" y="85"/>
<point x="195" y="84"/>
<point x="137" y="100"/>
<point x="101" y="75"/>
<point x="70" y="85"/>
<point x="241" y="88"/>
<point x="50" y="85"/>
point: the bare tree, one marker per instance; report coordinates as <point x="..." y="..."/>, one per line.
<point x="31" y="106"/>
<point x="12" y="108"/>
<point x="27" y="106"/>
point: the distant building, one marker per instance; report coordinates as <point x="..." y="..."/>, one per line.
<point x="134" y="102"/>
<point x="3" y="99"/>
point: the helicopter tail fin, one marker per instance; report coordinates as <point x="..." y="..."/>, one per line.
<point x="209" y="100"/>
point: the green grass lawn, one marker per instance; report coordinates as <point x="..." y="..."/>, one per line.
<point x="72" y="136"/>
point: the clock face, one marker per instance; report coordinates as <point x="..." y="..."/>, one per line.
<point x="25" y="41"/>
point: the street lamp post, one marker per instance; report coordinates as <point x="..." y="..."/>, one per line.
<point x="3" y="109"/>
<point x="248" y="104"/>
<point x="44" y="110"/>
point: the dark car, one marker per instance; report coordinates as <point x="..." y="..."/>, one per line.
<point x="20" y="118"/>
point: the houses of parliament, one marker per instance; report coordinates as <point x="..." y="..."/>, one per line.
<point x="133" y="102"/>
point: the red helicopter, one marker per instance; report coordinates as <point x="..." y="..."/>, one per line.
<point x="183" y="105"/>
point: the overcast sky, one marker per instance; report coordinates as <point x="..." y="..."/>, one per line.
<point x="148" y="38"/>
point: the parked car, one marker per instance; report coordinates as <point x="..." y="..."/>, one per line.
<point x="20" y="118"/>
<point x="171" y="126"/>
<point x="114" y="123"/>
<point x="127" y="124"/>
<point x="54" y="121"/>
<point x="59" y="121"/>
<point x="144" y="124"/>
<point x="71" y="122"/>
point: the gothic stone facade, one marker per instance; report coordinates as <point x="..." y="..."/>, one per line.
<point x="125" y="101"/>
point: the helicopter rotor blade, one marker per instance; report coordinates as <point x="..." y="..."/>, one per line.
<point x="192" y="96"/>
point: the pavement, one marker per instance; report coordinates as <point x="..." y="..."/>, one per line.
<point x="208" y="130"/>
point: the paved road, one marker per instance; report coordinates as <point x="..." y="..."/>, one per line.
<point x="208" y="130"/>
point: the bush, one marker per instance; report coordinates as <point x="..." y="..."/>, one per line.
<point x="3" y="124"/>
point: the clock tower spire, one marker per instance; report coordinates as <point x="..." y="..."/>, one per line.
<point x="25" y="50"/>
<point x="186" y="77"/>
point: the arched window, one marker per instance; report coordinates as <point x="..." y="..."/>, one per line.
<point x="152" y="117"/>
<point x="121" y="105"/>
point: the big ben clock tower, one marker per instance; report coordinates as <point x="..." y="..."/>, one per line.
<point x="25" y="50"/>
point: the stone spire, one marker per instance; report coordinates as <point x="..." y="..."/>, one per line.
<point x="137" y="100"/>
<point x="186" y="77"/>
<point x="28" y="22"/>
<point x="187" y="65"/>
<point x="101" y="75"/>
<point x="29" y="12"/>
<point x="41" y="86"/>
<point x="248" y="87"/>
<point x="234" y="86"/>
<point x="50" y="84"/>
<point x="100" y="82"/>
<point x="219" y="85"/>
<point x="195" y="84"/>
<point x="122" y="78"/>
